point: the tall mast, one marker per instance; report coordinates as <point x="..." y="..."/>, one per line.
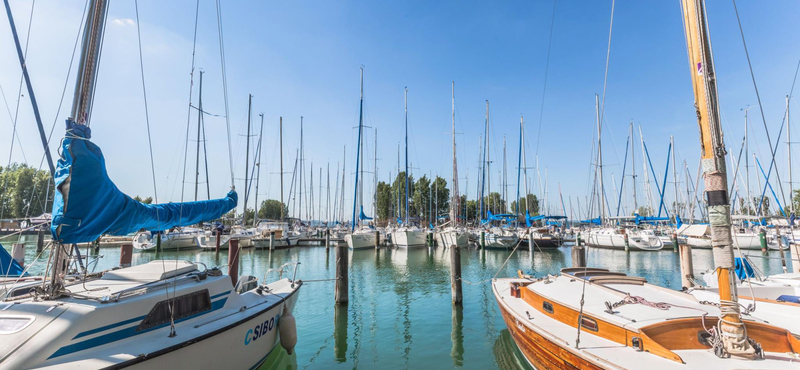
<point x="454" y="203"/>
<point x="358" y="150"/>
<point x="519" y="168"/>
<point x="633" y="170"/>
<point x="258" y="166"/>
<point x="406" y="193"/>
<point x="199" y="122"/>
<point x="488" y="163"/>
<point x="247" y="158"/>
<point x="789" y="149"/>
<point x="505" y="174"/>
<point x="674" y="176"/>
<point x="280" y="130"/>
<point x="701" y="63"/>
<point x="344" y="171"/>
<point x="524" y="162"/>
<point x="300" y="175"/>
<point x="328" y="197"/>
<point x="484" y="162"/>
<point x="375" y="177"/>
<point x="602" y="197"/>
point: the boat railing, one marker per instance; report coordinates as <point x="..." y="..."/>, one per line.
<point x="153" y="286"/>
<point x="280" y="271"/>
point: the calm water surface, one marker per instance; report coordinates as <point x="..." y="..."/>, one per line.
<point x="400" y="315"/>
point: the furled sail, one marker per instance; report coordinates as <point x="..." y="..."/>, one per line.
<point x="88" y="204"/>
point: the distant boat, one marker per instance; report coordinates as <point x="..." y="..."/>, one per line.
<point x="453" y="235"/>
<point x="180" y="239"/>
<point x="406" y="235"/>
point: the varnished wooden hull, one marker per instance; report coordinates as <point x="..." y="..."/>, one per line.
<point x="542" y="353"/>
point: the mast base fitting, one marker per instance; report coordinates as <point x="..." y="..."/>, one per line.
<point x="735" y="343"/>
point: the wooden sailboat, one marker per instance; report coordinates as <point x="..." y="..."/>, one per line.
<point x="590" y="318"/>
<point x="453" y="235"/>
<point x="361" y="236"/>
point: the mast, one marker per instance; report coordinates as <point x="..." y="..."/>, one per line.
<point x="406" y="193"/>
<point x="633" y="170"/>
<point x="247" y="158"/>
<point x="358" y="149"/>
<point x="524" y="162"/>
<point x="258" y="167"/>
<point x="454" y="203"/>
<point x="300" y="175"/>
<point x="199" y="123"/>
<point x="519" y="169"/>
<point x="280" y="130"/>
<point x="747" y="162"/>
<point x="375" y="178"/>
<point x="789" y="150"/>
<point x="505" y="174"/>
<point x="484" y="162"/>
<point x="344" y="171"/>
<point x="602" y="197"/>
<point x="701" y="63"/>
<point x="674" y="175"/>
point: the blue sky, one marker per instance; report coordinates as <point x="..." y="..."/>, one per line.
<point x="302" y="58"/>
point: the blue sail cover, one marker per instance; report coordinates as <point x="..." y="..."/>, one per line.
<point x="88" y="204"/>
<point x="9" y="266"/>
<point x="362" y="216"/>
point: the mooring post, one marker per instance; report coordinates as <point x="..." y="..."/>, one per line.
<point x="674" y="242"/>
<point x="578" y="257"/>
<point x="40" y="240"/>
<point x="271" y="240"/>
<point x="219" y="235"/>
<point x="18" y="253"/>
<point x="762" y="238"/>
<point x="341" y="293"/>
<point x="578" y="239"/>
<point x="158" y="242"/>
<point x="687" y="269"/>
<point x="377" y="239"/>
<point x="327" y="239"/>
<point x="125" y="255"/>
<point x="780" y="248"/>
<point x="627" y="244"/>
<point x="233" y="260"/>
<point x="483" y="239"/>
<point x="455" y="274"/>
<point x="530" y="242"/>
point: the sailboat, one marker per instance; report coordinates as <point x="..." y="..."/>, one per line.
<point x="452" y="234"/>
<point x="163" y="314"/>
<point x="405" y="235"/>
<point x="361" y="236"/>
<point x="591" y="318"/>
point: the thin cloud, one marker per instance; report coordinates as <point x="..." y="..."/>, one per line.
<point x="123" y="22"/>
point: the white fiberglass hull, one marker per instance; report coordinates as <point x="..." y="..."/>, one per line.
<point x="143" y="241"/>
<point x="409" y="238"/>
<point x="360" y="240"/>
<point x="606" y="238"/>
<point x="495" y="241"/>
<point x="449" y="238"/>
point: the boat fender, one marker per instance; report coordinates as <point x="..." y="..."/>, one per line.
<point x="288" y="330"/>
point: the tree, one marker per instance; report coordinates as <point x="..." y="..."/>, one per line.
<point x="644" y="211"/>
<point x="399" y="193"/>
<point x="421" y="198"/>
<point x="23" y="190"/>
<point x="441" y="196"/>
<point x="270" y="209"/>
<point x="384" y="200"/>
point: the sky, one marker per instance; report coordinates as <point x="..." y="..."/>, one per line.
<point x="302" y="58"/>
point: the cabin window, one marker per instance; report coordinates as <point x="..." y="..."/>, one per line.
<point x="547" y="306"/>
<point x="588" y="324"/>
<point x="182" y="307"/>
<point x="13" y="324"/>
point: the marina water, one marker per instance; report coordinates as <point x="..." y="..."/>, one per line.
<point x="399" y="315"/>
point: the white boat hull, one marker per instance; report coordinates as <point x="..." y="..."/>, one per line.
<point x="612" y="240"/>
<point x="450" y="238"/>
<point x="143" y="241"/>
<point x="409" y="238"/>
<point x="360" y="240"/>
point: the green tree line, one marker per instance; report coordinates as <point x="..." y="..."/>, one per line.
<point x="23" y="191"/>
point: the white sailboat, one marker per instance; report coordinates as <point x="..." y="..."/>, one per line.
<point x="406" y="235"/>
<point x="452" y="234"/>
<point x="361" y="236"/>
<point x="163" y="314"/>
<point x="179" y="239"/>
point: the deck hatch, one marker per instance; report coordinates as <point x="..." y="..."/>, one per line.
<point x="183" y="306"/>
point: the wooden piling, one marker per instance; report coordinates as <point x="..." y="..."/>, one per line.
<point x="233" y="260"/>
<point x="272" y="240"/>
<point x="780" y="247"/>
<point x="674" y="242"/>
<point x="455" y="274"/>
<point x="627" y="243"/>
<point x="341" y="293"/>
<point x="327" y="239"/>
<point x="483" y="239"/>
<point x="219" y="235"/>
<point x="578" y="257"/>
<point x="530" y="242"/>
<point x="158" y="242"/>
<point x="40" y="240"/>
<point x="762" y="238"/>
<point x="125" y="255"/>
<point x="18" y="253"/>
<point x="687" y="268"/>
<point x="377" y="239"/>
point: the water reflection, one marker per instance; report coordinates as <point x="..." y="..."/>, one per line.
<point x="507" y="354"/>
<point x="340" y="319"/>
<point x="457" y="336"/>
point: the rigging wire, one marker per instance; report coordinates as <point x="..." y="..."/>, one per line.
<point x="146" y="114"/>
<point x="16" y="110"/>
<point x="546" y="70"/>
<point x="225" y="88"/>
